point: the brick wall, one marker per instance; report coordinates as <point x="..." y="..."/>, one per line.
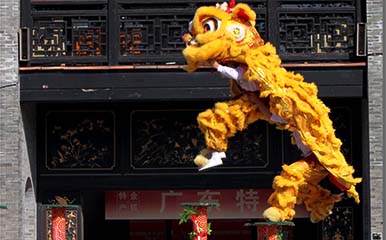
<point x="375" y="94"/>
<point x="18" y="220"/>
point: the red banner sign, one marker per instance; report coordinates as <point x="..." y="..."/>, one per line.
<point x="165" y="204"/>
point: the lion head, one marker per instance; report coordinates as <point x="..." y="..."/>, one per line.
<point x="222" y="33"/>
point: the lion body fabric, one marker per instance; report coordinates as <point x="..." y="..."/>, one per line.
<point x="286" y="95"/>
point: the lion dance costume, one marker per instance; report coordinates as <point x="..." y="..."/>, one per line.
<point x="226" y="33"/>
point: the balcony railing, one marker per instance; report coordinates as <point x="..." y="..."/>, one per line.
<point x="148" y="32"/>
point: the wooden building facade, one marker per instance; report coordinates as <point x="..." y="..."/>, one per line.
<point x="116" y="113"/>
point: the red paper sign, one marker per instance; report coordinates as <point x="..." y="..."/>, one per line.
<point x="165" y="204"/>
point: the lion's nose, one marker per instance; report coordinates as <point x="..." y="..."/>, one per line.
<point x="189" y="40"/>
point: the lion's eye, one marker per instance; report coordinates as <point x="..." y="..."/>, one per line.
<point x="211" y="25"/>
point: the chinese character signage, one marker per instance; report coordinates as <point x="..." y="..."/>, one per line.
<point x="165" y="204"/>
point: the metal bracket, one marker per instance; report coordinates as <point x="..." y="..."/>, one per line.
<point x="361" y="41"/>
<point x="24" y="44"/>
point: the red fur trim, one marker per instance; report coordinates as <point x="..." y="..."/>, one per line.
<point x="310" y="158"/>
<point x="232" y="3"/>
<point x="337" y="183"/>
<point x="242" y="15"/>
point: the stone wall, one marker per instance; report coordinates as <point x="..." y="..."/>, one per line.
<point x="17" y="221"/>
<point x="375" y="95"/>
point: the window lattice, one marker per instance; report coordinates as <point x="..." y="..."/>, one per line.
<point x="317" y="27"/>
<point x="69" y="36"/>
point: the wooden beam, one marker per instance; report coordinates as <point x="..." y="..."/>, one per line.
<point x="166" y="84"/>
<point x="152" y="67"/>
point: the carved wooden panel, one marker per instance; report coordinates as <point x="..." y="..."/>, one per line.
<point x="171" y="139"/>
<point x="152" y="32"/>
<point x="317" y="27"/>
<point x="80" y="140"/>
<point x="60" y="222"/>
<point x="339" y="225"/>
<point x="67" y="30"/>
<point x="164" y="139"/>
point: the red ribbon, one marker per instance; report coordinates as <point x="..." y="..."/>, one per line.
<point x="202" y="234"/>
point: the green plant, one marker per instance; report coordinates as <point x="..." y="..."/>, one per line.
<point x="185" y="215"/>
